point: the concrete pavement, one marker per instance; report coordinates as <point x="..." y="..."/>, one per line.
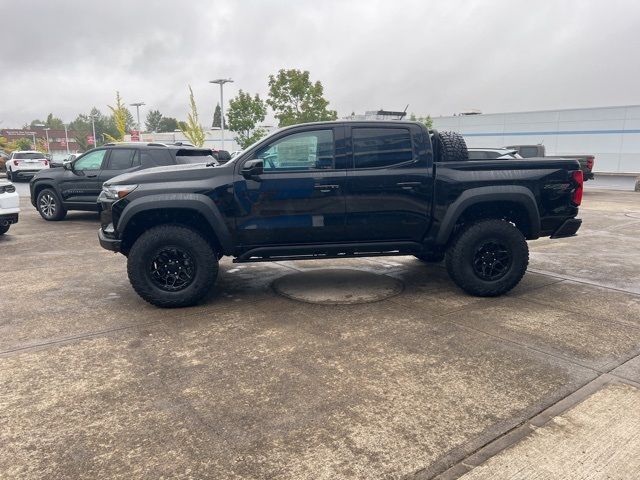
<point x="95" y="383"/>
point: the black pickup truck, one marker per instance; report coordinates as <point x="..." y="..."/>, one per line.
<point x="337" y="190"/>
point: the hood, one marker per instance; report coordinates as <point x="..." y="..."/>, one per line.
<point x="169" y="173"/>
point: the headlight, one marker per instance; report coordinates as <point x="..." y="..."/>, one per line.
<point x="115" y="192"/>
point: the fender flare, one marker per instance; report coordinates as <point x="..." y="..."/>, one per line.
<point x="192" y="201"/>
<point x="507" y="193"/>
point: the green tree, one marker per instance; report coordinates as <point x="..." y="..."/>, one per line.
<point x="54" y="122"/>
<point x="295" y="99"/>
<point x="427" y="121"/>
<point x="245" y="113"/>
<point x="152" y="122"/>
<point x="22" y="144"/>
<point x="217" y="117"/>
<point x="192" y="128"/>
<point x="168" y="124"/>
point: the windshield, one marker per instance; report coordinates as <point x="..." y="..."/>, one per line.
<point x="29" y="155"/>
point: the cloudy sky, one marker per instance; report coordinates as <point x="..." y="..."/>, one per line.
<point x="438" y="56"/>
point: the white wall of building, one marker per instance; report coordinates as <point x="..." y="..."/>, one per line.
<point x="612" y="134"/>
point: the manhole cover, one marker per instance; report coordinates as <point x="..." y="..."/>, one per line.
<point x="337" y="286"/>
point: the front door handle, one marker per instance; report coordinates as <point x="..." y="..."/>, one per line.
<point x="326" y="188"/>
<point x="92" y="176"/>
<point x="408" y="185"/>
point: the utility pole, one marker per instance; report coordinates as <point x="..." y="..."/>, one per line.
<point x="221" y="82"/>
<point x="46" y="134"/>
<point x="93" y="127"/>
<point x="138" y="105"/>
<point x="66" y="137"/>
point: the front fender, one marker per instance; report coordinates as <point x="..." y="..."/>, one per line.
<point x="497" y="193"/>
<point x="193" y="201"/>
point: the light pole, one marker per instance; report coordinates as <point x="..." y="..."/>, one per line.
<point x="138" y="105"/>
<point x="93" y="128"/>
<point x="221" y="82"/>
<point x="46" y="134"/>
<point x="66" y="137"/>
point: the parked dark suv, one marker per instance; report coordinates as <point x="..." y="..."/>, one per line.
<point x="77" y="184"/>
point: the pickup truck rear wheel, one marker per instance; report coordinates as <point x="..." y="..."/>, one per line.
<point x="4" y="229"/>
<point x="172" y="266"/>
<point x="488" y="258"/>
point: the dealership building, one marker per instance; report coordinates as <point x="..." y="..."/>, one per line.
<point x="612" y="134"/>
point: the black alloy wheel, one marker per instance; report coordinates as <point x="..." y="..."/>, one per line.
<point x="172" y="269"/>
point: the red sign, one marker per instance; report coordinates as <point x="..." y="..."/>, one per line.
<point x="135" y="136"/>
<point x="90" y="140"/>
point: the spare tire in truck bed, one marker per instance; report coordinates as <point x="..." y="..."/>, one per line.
<point x="449" y="147"/>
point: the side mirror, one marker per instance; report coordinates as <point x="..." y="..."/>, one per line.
<point x="67" y="165"/>
<point x="252" y="169"/>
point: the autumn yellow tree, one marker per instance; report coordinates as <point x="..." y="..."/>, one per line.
<point x="192" y="128"/>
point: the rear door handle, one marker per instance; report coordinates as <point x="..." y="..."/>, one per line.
<point x="326" y="188"/>
<point x="408" y="185"/>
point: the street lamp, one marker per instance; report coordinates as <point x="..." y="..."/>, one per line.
<point x="221" y="82"/>
<point x="138" y="105"/>
<point x="66" y="137"/>
<point x="46" y="133"/>
<point x="93" y="128"/>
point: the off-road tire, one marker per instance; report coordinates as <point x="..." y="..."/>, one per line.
<point x="469" y="242"/>
<point x="45" y="197"/>
<point x="167" y="236"/>
<point x="4" y="229"/>
<point x="450" y="147"/>
<point x="431" y="257"/>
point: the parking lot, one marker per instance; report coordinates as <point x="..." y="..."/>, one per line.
<point x="251" y="384"/>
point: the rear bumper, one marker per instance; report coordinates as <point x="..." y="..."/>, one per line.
<point x="568" y="228"/>
<point x="108" y="243"/>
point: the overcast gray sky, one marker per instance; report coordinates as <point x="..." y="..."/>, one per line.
<point x="438" y="56"/>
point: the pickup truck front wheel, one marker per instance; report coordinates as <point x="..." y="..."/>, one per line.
<point x="488" y="258"/>
<point x="172" y="266"/>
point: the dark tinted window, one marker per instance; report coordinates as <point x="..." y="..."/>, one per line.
<point x="528" y="152"/>
<point x="381" y="147"/>
<point x="156" y="157"/>
<point x="25" y="156"/>
<point x="120" y="159"/>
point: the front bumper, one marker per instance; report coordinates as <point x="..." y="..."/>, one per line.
<point x="568" y="228"/>
<point x="109" y="243"/>
<point x="8" y="219"/>
<point x="24" y="173"/>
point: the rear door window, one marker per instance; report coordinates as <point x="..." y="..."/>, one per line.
<point x="381" y="147"/>
<point x="120" y="159"/>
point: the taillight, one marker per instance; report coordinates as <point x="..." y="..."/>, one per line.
<point x="16" y="162"/>
<point x="46" y="163"/>
<point x="590" y="162"/>
<point x="578" y="178"/>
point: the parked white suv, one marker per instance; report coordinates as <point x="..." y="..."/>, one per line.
<point x="9" y="206"/>
<point x="25" y="164"/>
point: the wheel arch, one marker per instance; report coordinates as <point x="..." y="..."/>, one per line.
<point x="193" y="210"/>
<point x="513" y="202"/>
